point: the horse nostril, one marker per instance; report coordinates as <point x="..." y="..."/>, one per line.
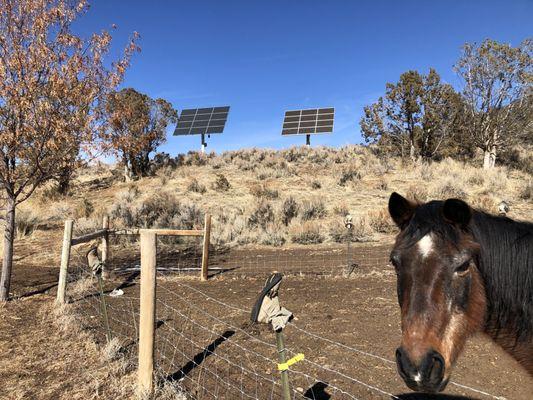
<point x="436" y="367"/>
<point x="405" y="367"/>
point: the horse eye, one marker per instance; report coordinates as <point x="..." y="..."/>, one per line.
<point x="463" y="268"/>
<point x="395" y="263"/>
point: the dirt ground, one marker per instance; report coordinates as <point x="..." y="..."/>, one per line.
<point x="347" y="325"/>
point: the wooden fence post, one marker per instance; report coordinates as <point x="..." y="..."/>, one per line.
<point x="105" y="247"/>
<point x="205" y="251"/>
<point x="65" y="256"/>
<point x="147" y="311"/>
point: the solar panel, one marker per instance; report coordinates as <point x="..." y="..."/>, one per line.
<point x="201" y="121"/>
<point x="306" y="122"/>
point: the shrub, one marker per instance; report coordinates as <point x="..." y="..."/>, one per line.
<point x="161" y="210"/>
<point x="289" y="210"/>
<point x="273" y="235"/>
<point x="221" y="184"/>
<point x="50" y="193"/>
<point x="527" y="191"/>
<point x="263" y="191"/>
<point x="84" y="209"/>
<point x="361" y="231"/>
<point x="265" y="173"/>
<point x="484" y="203"/>
<point x="314" y="209"/>
<point x="25" y="223"/>
<point x="316" y="185"/>
<point x="449" y="188"/>
<point x="124" y="209"/>
<point x="261" y="215"/>
<point x="83" y="226"/>
<point x="476" y="178"/>
<point x="380" y="221"/>
<point x="417" y="193"/>
<point x="163" y="179"/>
<point x="349" y="175"/>
<point x="308" y="233"/>
<point x="341" y="209"/>
<point x="382" y="184"/>
<point x="229" y="228"/>
<point x="158" y="210"/>
<point x="496" y="181"/>
<point x="196" y="187"/>
<point x="194" y="158"/>
<point x="338" y="232"/>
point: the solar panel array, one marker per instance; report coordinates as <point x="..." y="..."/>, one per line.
<point x="197" y="121"/>
<point x="306" y="122"/>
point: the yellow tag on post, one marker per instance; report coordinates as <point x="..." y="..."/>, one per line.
<point x="285" y="366"/>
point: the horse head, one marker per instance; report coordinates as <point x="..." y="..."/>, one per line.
<point x="439" y="287"/>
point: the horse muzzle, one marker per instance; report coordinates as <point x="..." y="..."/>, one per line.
<point x="427" y="375"/>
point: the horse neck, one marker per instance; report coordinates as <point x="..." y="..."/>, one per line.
<point x="506" y="267"/>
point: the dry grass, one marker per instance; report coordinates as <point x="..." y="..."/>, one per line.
<point x="306" y="233"/>
<point x="261" y="196"/>
<point x="25" y="223"/>
<point x="51" y="347"/>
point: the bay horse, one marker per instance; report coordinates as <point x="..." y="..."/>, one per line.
<point x="459" y="271"/>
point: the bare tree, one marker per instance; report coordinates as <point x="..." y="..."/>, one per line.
<point x="52" y="83"/>
<point x="497" y="83"/>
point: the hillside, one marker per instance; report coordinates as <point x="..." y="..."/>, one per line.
<point x="296" y="196"/>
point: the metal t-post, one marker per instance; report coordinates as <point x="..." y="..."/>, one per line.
<point x="104" y="307"/>
<point x="280" y="343"/>
<point x="348" y="223"/>
<point x="308" y="140"/>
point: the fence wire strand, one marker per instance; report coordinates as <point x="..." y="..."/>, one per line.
<point x="205" y="347"/>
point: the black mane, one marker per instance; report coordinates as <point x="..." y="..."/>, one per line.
<point x="505" y="263"/>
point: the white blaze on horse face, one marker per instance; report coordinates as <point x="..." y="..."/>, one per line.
<point x="425" y="245"/>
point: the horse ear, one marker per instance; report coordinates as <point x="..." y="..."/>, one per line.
<point x="401" y="210"/>
<point x="457" y="212"/>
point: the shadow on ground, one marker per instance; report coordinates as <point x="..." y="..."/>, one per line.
<point x="429" y="396"/>
<point x="199" y="358"/>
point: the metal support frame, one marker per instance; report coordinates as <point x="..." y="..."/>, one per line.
<point x="308" y="140"/>
<point x="204" y="144"/>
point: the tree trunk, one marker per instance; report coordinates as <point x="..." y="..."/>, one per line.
<point x="412" y="151"/>
<point x="489" y="159"/>
<point x="63" y="181"/>
<point x="127" y="171"/>
<point x="7" y="262"/>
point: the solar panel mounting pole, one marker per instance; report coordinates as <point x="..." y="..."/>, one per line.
<point x="308" y="140"/>
<point x="204" y="144"/>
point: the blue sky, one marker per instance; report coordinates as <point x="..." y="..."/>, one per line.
<point x="264" y="57"/>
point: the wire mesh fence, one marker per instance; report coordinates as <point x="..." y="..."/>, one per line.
<point x="205" y="346"/>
